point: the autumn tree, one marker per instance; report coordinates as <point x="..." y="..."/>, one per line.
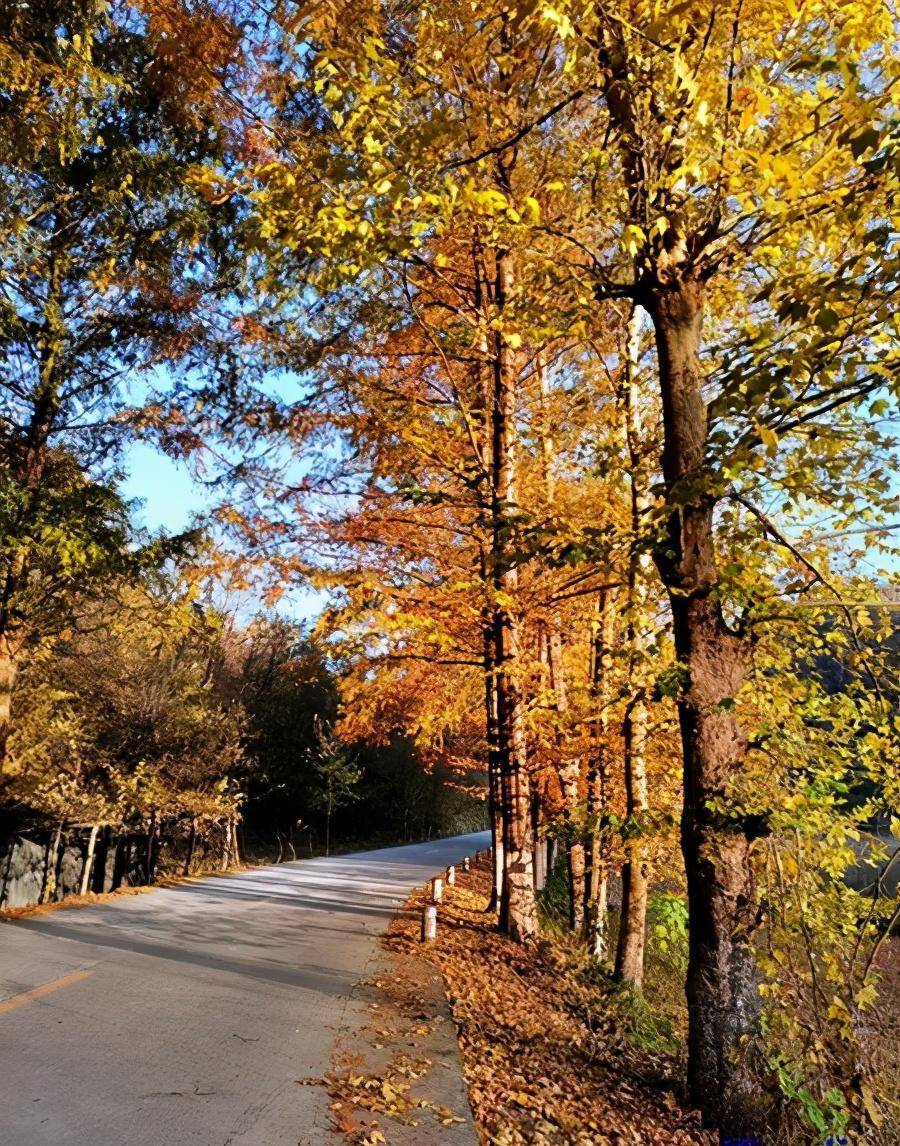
<point x="695" y="114"/>
<point x="728" y="174"/>
<point x="107" y="264"/>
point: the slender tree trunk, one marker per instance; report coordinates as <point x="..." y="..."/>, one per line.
<point x="495" y="811"/>
<point x="597" y="878"/>
<point x="722" y="994"/>
<point x="518" y="915"/>
<point x="518" y="912"/>
<point x="150" y="854"/>
<point x="226" y="846"/>
<point x="633" y="918"/>
<point x="537" y="842"/>
<point x="89" y="859"/>
<point x="629" y="966"/>
<point x="569" y="782"/>
<point x="517" y="903"/>
<point x="49" y="885"/>
<point x="595" y="873"/>
<point x="8" y="672"/>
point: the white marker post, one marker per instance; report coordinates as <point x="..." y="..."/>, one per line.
<point x="437" y="889"/>
<point x="451" y="876"/>
<point x="429" y="923"/>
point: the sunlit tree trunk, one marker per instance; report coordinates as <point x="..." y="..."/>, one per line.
<point x="723" y="1000"/>
<point x="629" y="967"/>
<point x="8" y="672"/>
<point x="89" y="860"/>
<point x="569" y="769"/>
<point x="151" y="850"/>
<point x="597" y="873"/>
<point x="226" y="846"/>
<point x="495" y="811"/>
<point x="633" y="918"/>
<point x="518" y="915"/>
<point x="49" y="884"/>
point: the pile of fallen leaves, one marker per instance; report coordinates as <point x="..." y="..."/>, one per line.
<point x="389" y="1092"/>
<point x="388" y="1080"/>
<point x="542" y="1066"/>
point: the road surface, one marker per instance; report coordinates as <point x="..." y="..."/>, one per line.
<point x="185" y="1016"/>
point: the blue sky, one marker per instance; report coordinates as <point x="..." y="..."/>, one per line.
<point x="169" y="497"/>
<point x="165" y="496"/>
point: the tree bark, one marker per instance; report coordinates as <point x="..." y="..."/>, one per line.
<point x="629" y="967"/>
<point x="150" y="854"/>
<point x="495" y="811"/>
<point x="537" y="842"/>
<point x="722" y="995"/>
<point x="8" y="672"/>
<point x="49" y="885"/>
<point x="633" y="917"/>
<point x="597" y="874"/>
<point x="89" y="860"/>
<point x="569" y="782"/>
<point x="226" y="846"/>
<point x="518" y="912"/>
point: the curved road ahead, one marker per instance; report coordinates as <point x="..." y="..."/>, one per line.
<point x="185" y="1015"/>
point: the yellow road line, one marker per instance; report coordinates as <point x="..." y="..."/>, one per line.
<point x="44" y="989"/>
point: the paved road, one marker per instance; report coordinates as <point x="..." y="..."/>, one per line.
<point x="184" y="1016"/>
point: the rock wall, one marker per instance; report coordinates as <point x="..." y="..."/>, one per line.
<point x="24" y="867"/>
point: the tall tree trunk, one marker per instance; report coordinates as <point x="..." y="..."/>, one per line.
<point x="89" y="860"/>
<point x="629" y="966"/>
<point x="594" y="867"/>
<point x="723" y="1000"/>
<point x="518" y="911"/>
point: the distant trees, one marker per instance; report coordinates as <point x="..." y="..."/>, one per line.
<point x="119" y="727"/>
<point x="166" y="728"/>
